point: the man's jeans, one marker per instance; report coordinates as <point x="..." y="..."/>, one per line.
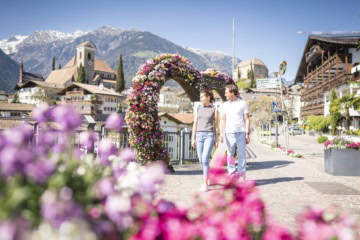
<point x="204" y="145"/>
<point x="238" y="139"/>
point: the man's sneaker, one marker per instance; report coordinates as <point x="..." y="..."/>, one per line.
<point x="204" y="188"/>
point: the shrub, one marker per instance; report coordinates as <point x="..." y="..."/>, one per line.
<point x="319" y="123"/>
<point x="322" y="139"/>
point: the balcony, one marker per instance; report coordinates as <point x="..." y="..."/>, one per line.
<point x="325" y="71"/>
<point x="315" y="109"/>
<point x="75" y="93"/>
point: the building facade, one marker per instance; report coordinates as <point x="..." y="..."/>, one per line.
<point x="243" y="69"/>
<point x="35" y="92"/>
<point x="326" y="63"/>
<point x="96" y="101"/>
<point x="96" y="71"/>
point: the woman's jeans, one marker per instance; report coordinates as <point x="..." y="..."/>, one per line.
<point x="204" y="145"/>
<point x="238" y="140"/>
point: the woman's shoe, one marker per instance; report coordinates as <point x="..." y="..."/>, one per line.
<point x="204" y="188"/>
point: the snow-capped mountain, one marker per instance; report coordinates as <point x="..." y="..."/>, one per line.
<point x="215" y="59"/>
<point x="10" y="45"/>
<point x="38" y="49"/>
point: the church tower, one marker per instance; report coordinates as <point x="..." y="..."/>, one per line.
<point x="86" y="57"/>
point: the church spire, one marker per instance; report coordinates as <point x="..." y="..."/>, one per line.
<point x="21" y="72"/>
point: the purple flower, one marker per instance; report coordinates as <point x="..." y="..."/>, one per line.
<point x="19" y="135"/>
<point x="13" y="230"/>
<point x="58" y="208"/>
<point x="87" y="139"/>
<point x="40" y="170"/>
<point x="151" y="178"/>
<point x="106" y="149"/>
<point x="114" y="121"/>
<point x="42" y="113"/>
<point x="67" y="117"/>
<point x="118" y="208"/>
<point x="128" y="155"/>
<point x="104" y="187"/>
<point x="13" y="160"/>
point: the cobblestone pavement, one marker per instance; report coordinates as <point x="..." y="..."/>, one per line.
<point x="286" y="184"/>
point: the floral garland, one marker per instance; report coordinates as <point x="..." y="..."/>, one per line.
<point x="142" y="116"/>
<point x="215" y="73"/>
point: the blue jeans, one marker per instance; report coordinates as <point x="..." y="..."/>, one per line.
<point x="238" y="139"/>
<point x="204" y="145"/>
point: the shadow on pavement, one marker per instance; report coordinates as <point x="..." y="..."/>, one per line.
<point x="267" y="164"/>
<point x="261" y="182"/>
<point x="187" y="172"/>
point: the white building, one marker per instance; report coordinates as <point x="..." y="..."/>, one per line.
<point x="35" y="92"/>
<point x="97" y="101"/>
<point x="347" y="88"/>
<point x="340" y="92"/>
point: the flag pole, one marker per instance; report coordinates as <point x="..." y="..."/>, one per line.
<point x="233" y="60"/>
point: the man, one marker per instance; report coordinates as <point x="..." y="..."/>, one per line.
<point x="235" y="130"/>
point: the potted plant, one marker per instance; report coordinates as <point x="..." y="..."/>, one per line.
<point x="342" y="157"/>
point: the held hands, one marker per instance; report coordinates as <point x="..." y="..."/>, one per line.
<point x="221" y="138"/>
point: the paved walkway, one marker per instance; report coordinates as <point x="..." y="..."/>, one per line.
<point x="286" y="184"/>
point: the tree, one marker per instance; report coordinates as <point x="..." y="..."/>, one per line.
<point x="59" y="66"/>
<point x="251" y="76"/>
<point x="335" y="115"/>
<point x="243" y="84"/>
<point x="238" y="74"/>
<point x="346" y="102"/>
<point x="16" y="98"/>
<point x="120" y="81"/>
<point x="53" y="63"/>
<point x="81" y="74"/>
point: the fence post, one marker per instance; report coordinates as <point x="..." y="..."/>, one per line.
<point x="182" y="140"/>
<point x="36" y="134"/>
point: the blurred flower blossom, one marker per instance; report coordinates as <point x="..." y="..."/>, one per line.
<point x="114" y="121"/>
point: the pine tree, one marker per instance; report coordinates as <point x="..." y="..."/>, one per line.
<point x="238" y="74"/>
<point x="335" y="115"/>
<point x="252" y="77"/>
<point x="59" y="66"/>
<point x="53" y="63"/>
<point x="120" y="81"/>
<point x="81" y="74"/>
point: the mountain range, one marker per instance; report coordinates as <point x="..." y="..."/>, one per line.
<point x="9" y="72"/>
<point x="38" y="49"/>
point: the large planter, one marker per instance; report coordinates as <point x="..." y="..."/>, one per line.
<point x="342" y="162"/>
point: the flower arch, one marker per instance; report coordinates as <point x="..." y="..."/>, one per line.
<point x="142" y="116"/>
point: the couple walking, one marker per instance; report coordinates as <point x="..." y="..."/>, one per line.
<point x="235" y="131"/>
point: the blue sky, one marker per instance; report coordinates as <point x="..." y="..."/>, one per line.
<point x="264" y="29"/>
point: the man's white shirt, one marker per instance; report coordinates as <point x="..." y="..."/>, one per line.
<point x="234" y="111"/>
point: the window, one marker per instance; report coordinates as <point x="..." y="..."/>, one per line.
<point x="164" y="122"/>
<point x="80" y="55"/>
<point x="89" y="56"/>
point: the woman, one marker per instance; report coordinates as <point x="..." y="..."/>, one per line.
<point x="205" y="133"/>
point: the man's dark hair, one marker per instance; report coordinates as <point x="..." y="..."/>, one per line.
<point x="233" y="89"/>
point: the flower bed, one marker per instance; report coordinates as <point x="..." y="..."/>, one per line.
<point x="342" y="157"/>
<point x="51" y="190"/>
<point x="281" y="149"/>
<point x="341" y="143"/>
